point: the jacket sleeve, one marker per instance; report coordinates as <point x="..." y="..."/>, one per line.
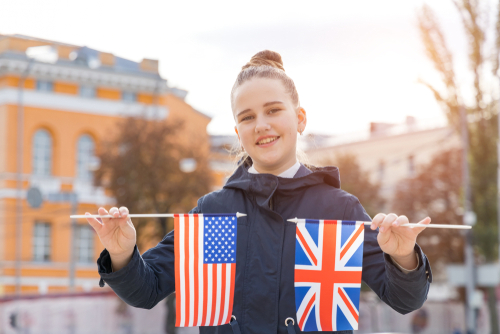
<point x="146" y="279"/>
<point x="404" y="292"/>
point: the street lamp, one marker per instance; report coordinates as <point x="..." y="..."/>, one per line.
<point x="44" y="54"/>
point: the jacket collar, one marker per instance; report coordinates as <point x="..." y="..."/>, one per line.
<point x="263" y="184"/>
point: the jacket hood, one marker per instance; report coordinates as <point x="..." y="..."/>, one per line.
<point x="306" y="176"/>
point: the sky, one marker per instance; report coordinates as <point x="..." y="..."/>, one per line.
<point x="353" y="62"/>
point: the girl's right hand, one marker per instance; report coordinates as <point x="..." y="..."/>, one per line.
<point x="117" y="234"/>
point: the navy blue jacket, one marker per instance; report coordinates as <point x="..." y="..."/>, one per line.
<point x="264" y="293"/>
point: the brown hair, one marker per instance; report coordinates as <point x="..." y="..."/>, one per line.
<point x="265" y="64"/>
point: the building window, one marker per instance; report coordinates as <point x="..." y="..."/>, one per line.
<point x="87" y="91"/>
<point x="41" y="242"/>
<point x="42" y="153"/>
<point x="129" y="96"/>
<point x="84" y="153"/>
<point x="411" y="166"/>
<point x="44" y="86"/>
<point x="84" y="244"/>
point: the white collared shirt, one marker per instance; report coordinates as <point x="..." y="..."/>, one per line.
<point x="289" y="173"/>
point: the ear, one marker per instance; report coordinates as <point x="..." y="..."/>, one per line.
<point x="302" y="119"/>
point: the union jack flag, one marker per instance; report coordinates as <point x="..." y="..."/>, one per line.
<point x="205" y="266"/>
<point x="328" y="264"/>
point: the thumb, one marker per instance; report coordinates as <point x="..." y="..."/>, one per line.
<point x="423" y="222"/>
<point x="383" y="236"/>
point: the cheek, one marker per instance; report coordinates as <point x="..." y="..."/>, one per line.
<point x="245" y="134"/>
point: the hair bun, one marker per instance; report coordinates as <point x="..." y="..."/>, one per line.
<point x="266" y="58"/>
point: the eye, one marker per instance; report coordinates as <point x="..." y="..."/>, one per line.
<point x="246" y="118"/>
<point x="274" y="110"/>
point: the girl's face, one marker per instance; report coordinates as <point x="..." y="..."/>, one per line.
<point x="267" y="123"/>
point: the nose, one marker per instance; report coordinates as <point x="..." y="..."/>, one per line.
<point x="262" y="125"/>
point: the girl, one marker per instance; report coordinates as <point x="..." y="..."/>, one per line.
<point x="270" y="185"/>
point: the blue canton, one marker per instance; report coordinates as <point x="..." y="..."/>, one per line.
<point x="219" y="239"/>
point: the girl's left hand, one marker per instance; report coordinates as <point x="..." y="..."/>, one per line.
<point x="395" y="240"/>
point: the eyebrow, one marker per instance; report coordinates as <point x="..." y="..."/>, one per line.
<point x="265" y="105"/>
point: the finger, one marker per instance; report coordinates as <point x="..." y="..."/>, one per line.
<point x="123" y="211"/>
<point x="423" y="222"/>
<point x="124" y="214"/>
<point x="387" y="223"/>
<point x="96" y="225"/>
<point x="400" y="221"/>
<point x="102" y="212"/>
<point x="114" y="212"/>
<point x="377" y="220"/>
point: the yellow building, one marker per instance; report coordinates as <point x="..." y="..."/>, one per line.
<point x="70" y="107"/>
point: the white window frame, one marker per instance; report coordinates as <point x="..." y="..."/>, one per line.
<point x="84" y="244"/>
<point x="87" y="91"/>
<point x="85" y="150"/>
<point x="42" y="153"/>
<point x="44" y="86"/>
<point x="42" y="240"/>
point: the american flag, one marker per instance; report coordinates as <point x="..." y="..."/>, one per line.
<point x="205" y="265"/>
<point x="328" y="264"/>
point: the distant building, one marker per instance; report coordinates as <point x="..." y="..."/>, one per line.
<point x="70" y="108"/>
<point x="388" y="152"/>
<point x="222" y="161"/>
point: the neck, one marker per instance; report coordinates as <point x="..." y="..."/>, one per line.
<point x="275" y="170"/>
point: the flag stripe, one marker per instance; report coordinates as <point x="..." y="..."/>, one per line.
<point x="190" y="267"/>
<point x="187" y="234"/>
<point x="222" y="293"/>
<point x="177" y="269"/>
<point x="219" y="283"/>
<point x="307" y="310"/>
<point x="307" y="248"/>
<point x="214" y="293"/>
<point x="195" y="256"/>
<point x="227" y="292"/>
<point x="348" y="303"/>
<point x="232" y="266"/>
<point x="353" y="239"/>
<point x="201" y="229"/>
<point x="209" y="293"/>
<point x="182" y="271"/>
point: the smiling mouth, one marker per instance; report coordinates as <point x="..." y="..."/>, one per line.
<point x="267" y="140"/>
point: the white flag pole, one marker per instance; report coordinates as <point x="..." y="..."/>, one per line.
<point x="147" y="215"/>
<point x="460" y="227"/>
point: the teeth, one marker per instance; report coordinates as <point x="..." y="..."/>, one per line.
<point x="267" y="140"/>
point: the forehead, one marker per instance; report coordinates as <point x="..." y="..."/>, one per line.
<point x="256" y="92"/>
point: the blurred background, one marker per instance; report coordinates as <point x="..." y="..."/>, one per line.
<point x="127" y="103"/>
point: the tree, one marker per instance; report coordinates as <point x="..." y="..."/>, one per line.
<point x="478" y="99"/>
<point x="141" y="168"/>
<point x="357" y="182"/>
<point x="480" y="109"/>
<point x="435" y="192"/>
